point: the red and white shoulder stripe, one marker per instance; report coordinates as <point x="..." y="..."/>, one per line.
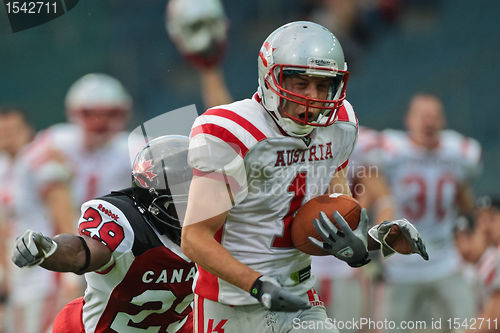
<point x="368" y="139"/>
<point x="393" y="142"/>
<point x="466" y="148"/>
<point x="346" y="113"/>
<point x="36" y="153"/>
<point x="238" y="124"/>
<point x="488" y="268"/>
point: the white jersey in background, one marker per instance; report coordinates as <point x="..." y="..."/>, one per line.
<point x="424" y="184"/>
<point x="31" y="174"/>
<point x="5" y="185"/>
<point x="488" y="274"/>
<point x="280" y="172"/>
<point x="6" y="195"/>
<point x="94" y="173"/>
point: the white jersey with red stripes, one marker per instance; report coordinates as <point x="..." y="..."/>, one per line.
<point x="276" y="174"/>
<point x="34" y="171"/>
<point x="364" y="160"/>
<point x="6" y="197"/>
<point x="30" y="175"/>
<point x="6" y="187"/>
<point x="147" y="285"/>
<point x="424" y="184"/>
<point x="95" y="172"/>
<point x="366" y="151"/>
<point x="488" y="273"/>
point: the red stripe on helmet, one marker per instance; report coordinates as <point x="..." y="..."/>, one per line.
<point x="264" y="61"/>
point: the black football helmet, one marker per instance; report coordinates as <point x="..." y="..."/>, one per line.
<point x="160" y="182"/>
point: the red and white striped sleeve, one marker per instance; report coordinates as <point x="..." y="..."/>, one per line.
<point x="219" y="141"/>
<point x="45" y="163"/>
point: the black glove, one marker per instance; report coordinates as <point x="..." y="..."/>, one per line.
<point x="274" y="297"/>
<point x="344" y="244"/>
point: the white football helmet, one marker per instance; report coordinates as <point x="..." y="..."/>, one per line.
<point x="99" y="94"/>
<point x="97" y="90"/>
<point x="198" y="28"/>
<point x="304" y="48"/>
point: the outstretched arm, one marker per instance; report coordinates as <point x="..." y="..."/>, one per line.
<point x="63" y="253"/>
<point x="57" y="198"/>
<point x="214" y="88"/>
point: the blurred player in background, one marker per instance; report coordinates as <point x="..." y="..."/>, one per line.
<point x="471" y="241"/>
<point x="246" y="282"/>
<point x="15" y="134"/>
<point x="94" y="143"/>
<point x="64" y="166"/>
<point x="199" y="31"/>
<point x="128" y="247"/>
<point x="485" y="252"/>
<point x="429" y="170"/>
<point x="35" y="192"/>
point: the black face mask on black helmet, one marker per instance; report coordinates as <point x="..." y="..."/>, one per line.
<point x="160" y="182"/>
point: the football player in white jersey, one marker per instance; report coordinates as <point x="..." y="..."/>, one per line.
<point x="429" y="170"/>
<point x="35" y="192"/>
<point x="94" y="144"/>
<point x="488" y="268"/>
<point x="128" y="248"/>
<point x="15" y="134"/>
<point x="478" y="243"/>
<point x="256" y="161"/>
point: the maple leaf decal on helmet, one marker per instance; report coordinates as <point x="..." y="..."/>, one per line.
<point x="143" y="172"/>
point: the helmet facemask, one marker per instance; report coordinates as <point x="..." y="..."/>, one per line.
<point x="310" y="50"/>
<point x="311" y="117"/>
<point x="160" y="183"/>
<point x="163" y="208"/>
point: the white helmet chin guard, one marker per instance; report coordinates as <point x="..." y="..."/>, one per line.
<point x="301" y="48"/>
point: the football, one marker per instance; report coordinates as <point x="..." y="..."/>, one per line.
<point x="302" y="224"/>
